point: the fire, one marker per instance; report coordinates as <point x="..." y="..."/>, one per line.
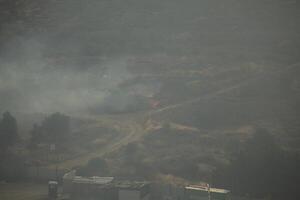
<point x="154" y="103"/>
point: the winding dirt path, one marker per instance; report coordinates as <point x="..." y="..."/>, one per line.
<point x="131" y="130"/>
<point x="132" y="127"/>
<point x="221" y="91"/>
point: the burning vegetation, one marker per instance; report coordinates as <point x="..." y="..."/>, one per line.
<point x="143" y="99"/>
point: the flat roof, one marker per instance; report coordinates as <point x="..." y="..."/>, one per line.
<point x="110" y="182"/>
<point x="206" y="189"/>
<point x="131" y="185"/>
<point x="53" y="182"/>
<point x="92" y="180"/>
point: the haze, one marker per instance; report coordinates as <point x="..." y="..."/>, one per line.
<point x="164" y="90"/>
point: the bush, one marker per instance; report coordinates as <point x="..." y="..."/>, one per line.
<point x="54" y="129"/>
<point x="95" y="167"/>
<point x="8" y="130"/>
<point x="261" y="169"/>
<point x="12" y="168"/>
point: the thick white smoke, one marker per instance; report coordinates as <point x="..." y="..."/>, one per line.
<point x="34" y="83"/>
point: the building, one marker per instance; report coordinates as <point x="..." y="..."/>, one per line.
<point x="199" y="192"/>
<point x="133" y="190"/>
<point x="109" y="188"/>
<point x="94" y="188"/>
<point x="104" y="188"/>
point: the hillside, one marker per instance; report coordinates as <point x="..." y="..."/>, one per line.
<point x="156" y="88"/>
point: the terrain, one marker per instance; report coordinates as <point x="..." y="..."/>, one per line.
<point x="23" y="191"/>
<point x="156" y="88"/>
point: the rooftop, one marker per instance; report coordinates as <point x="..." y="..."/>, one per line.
<point x="204" y="188"/>
<point x="133" y="185"/>
<point x="92" y="180"/>
<point x="52" y="183"/>
<point x="110" y="182"/>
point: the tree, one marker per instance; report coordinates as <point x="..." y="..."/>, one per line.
<point x="262" y="169"/>
<point x="56" y="127"/>
<point x="8" y="130"/>
<point x="36" y="136"/>
<point x="53" y="129"/>
<point x="95" y="167"/>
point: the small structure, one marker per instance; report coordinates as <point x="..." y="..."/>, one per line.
<point x="105" y="188"/>
<point x="92" y="188"/>
<point x="199" y="192"/>
<point x="52" y="189"/>
<point x="67" y="181"/>
<point x="133" y="190"/>
<point x="109" y="188"/>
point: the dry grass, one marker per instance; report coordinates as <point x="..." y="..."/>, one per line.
<point x="23" y="191"/>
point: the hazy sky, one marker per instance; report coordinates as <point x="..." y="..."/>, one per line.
<point x="69" y="55"/>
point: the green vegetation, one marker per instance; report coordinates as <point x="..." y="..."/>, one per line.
<point x="261" y="169"/>
<point x="8" y="131"/>
<point x="11" y="164"/>
<point x="95" y="167"/>
<point x="199" y="91"/>
<point x="54" y="129"/>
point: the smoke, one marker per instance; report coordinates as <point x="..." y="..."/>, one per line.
<point x="33" y="82"/>
<point x="69" y="55"/>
